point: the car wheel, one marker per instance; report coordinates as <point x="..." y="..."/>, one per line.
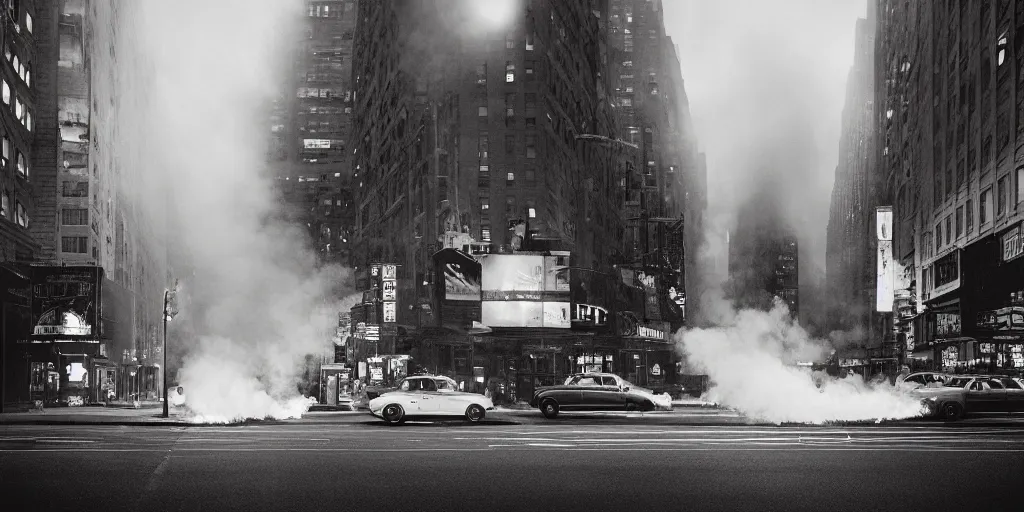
<point x="951" y="411"/>
<point x="393" y="413"/>
<point x="550" y="408"/>
<point x="475" y="413"/>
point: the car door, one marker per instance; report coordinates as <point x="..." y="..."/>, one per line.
<point x="985" y="395"/>
<point x="591" y="393"/>
<point x="429" y="398"/>
<point x="449" y="400"/>
<point x="614" y="397"/>
<point x="1014" y="395"/>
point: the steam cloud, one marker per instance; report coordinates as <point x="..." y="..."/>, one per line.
<point x="195" y="79"/>
<point x="751" y="359"/>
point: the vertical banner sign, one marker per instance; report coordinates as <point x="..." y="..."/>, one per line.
<point x="389" y="286"/>
<point x="886" y="276"/>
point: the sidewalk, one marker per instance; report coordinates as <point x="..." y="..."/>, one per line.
<point x="148" y="415"/>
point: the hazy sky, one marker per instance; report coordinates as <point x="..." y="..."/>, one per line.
<point x="766" y="83"/>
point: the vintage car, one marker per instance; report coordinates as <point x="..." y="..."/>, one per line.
<point x="597" y="392"/>
<point x="427" y="396"/>
<point x="964" y="394"/>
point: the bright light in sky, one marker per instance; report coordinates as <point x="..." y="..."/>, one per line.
<point x="495" y="13"/>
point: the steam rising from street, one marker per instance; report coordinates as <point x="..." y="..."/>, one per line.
<point x="199" y="76"/>
<point x="751" y="360"/>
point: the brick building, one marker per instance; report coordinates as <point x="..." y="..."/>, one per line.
<point x="949" y="88"/>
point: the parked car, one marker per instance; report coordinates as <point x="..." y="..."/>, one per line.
<point x="973" y="394"/>
<point x="597" y="392"/>
<point x="429" y="396"/>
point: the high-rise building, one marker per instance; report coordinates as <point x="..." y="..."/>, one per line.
<point x="948" y="93"/>
<point x="850" y="251"/>
<point x="17" y="121"/>
<point x="479" y="141"/>
<point x="95" y="277"/>
<point x="311" y="125"/>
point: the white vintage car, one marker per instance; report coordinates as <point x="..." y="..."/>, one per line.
<point x="429" y="396"/>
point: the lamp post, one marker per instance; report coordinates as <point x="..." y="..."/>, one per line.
<point x="168" y="313"/>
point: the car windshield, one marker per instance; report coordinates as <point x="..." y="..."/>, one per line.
<point x="957" y="382"/>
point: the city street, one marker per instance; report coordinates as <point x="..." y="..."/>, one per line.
<point x="349" y="462"/>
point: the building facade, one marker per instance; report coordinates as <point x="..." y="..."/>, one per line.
<point x="948" y="91"/>
<point x="311" y="124"/>
<point x="88" y="231"/>
<point x="483" y="143"/>
<point x="850" y="251"/>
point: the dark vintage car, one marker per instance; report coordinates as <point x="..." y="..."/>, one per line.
<point x="965" y="394"/>
<point x="597" y="392"/>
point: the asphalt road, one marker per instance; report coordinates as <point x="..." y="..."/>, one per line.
<point x="564" y="466"/>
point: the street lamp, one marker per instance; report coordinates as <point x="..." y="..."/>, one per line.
<point x="170" y="311"/>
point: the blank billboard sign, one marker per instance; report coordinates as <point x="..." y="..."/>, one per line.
<point x="886" y="276"/>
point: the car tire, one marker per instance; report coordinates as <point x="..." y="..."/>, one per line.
<point x="951" y="411"/>
<point x="475" y="413"/>
<point x="392" y="414"/>
<point x="549" y="407"/>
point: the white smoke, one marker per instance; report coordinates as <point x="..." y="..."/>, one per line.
<point x="198" y="76"/>
<point x="751" y="359"/>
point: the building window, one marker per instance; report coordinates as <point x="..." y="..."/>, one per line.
<point x="959" y="221"/>
<point x="985" y="212"/>
<point x="485" y="234"/>
<point x="532" y="212"/>
<point x="482" y="144"/>
<point x="510" y="42"/>
<point x="481" y="74"/>
<point x="510" y="179"/>
<point x="531" y="146"/>
<point x="529" y="40"/>
<point x="28" y="22"/>
<point x="74" y="217"/>
<point x="5" y="203"/>
<point x="938" y="236"/>
<point x="74" y="244"/>
<point x="1001" y="49"/>
<point x="1020" y="185"/>
<point x="485" y="202"/>
<point x="528" y="67"/>
<point x="531" y="177"/>
<point x="510" y="205"/>
<point x="949" y="228"/>
<point x="510" y="72"/>
<point x="7" y="92"/>
<point x="510" y="144"/>
<point x="482" y="111"/>
<point x="1001" y="197"/>
<point x="970" y="216"/>
<point x="484" y="169"/>
<point x="531" y="208"/>
<point x="22" y="215"/>
<point x="20" y="162"/>
<point x="6" y="151"/>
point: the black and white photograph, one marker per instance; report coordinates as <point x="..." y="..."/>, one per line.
<point x="512" y="255"/>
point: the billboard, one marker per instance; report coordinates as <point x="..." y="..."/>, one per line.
<point x="525" y="290"/>
<point x="886" y="277"/>
<point x="65" y="302"/>
<point x="461" y="274"/>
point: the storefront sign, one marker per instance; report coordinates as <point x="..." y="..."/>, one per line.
<point x="390" y="312"/>
<point x="525" y="290"/>
<point x="389" y="272"/>
<point x="1013" y="244"/>
<point x="647" y="332"/>
<point x="947" y="325"/>
<point x="1003" y="319"/>
<point x="388" y="290"/>
<point x="65" y="301"/>
<point x="947" y="274"/>
<point x="372" y="332"/>
<point x="656" y="369"/>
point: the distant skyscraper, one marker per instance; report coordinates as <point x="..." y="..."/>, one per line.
<point x="763" y="255"/>
<point x="850" y="253"/>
